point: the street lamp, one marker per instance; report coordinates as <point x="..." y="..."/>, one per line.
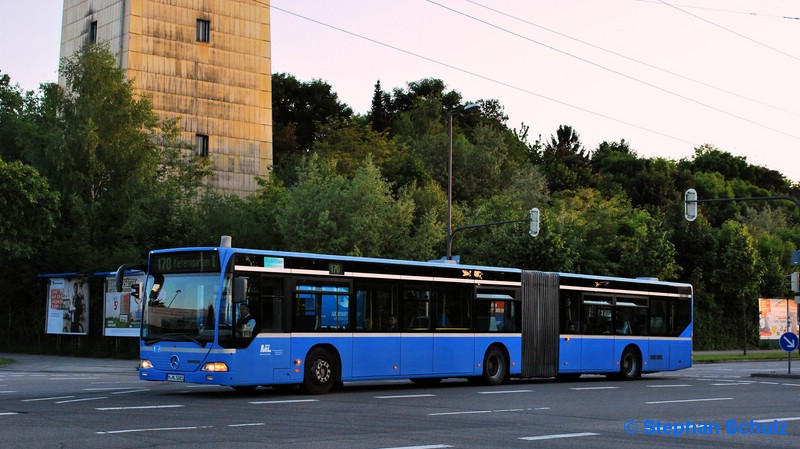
<point x="450" y="180"/>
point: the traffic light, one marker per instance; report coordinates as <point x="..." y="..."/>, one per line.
<point x="690" y="204"/>
<point x="795" y="282"/>
<point x="534" y="230"/>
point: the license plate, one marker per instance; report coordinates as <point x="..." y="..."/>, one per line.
<point x="175" y="377"/>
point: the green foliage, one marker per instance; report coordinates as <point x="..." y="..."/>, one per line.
<point x="327" y="212"/>
<point x="30" y="210"/>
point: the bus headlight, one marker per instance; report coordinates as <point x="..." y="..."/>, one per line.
<point x="145" y="364"/>
<point x="215" y="367"/>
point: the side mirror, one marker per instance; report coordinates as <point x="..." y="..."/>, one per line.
<point x="136" y="290"/>
<point x="239" y="290"/>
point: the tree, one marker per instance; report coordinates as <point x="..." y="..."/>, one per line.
<point x="298" y="111"/>
<point x="565" y="161"/>
<point x="738" y="276"/>
<point x="378" y="115"/>
<point x="30" y="210"/>
<point x="329" y="213"/>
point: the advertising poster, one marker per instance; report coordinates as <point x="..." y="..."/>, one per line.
<point x="68" y="306"/>
<point x="773" y="317"/>
<point x="123" y="311"/>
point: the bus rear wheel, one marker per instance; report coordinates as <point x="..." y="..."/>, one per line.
<point x="495" y="367"/>
<point x="320" y="372"/>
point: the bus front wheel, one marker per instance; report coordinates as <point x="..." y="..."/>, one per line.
<point x="495" y="367"/>
<point x="320" y="372"/>
<point x="630" y="365"/>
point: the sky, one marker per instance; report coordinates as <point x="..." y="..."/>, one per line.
<point x="666" y="76"/>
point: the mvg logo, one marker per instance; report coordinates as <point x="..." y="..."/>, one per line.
<point x="265" y="349"/>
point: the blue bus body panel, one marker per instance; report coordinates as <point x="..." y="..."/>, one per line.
<point x="595" y="354"/>
<point x="376" y="355"/>
<point x="271" y="358"/>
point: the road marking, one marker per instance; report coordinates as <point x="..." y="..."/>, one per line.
<point x="7" y="391"/>
<point x="431" y="446"/>
<point x="561" y="435"/>
<point x="109" y="388"/>
<point x="794" y="418"/>
<point x="471" y="412"/>
<point x="594" y="388"/>
<point x="47" y="399"/>
<point x="82" y="400"/>
<point x="476" y="412"/>
<point x="289" y="401"/>
<point x="668" y="386"/>
<point x="248" y="425"/>
<point x="792" y="385"/>
<point x="730" y="383"/>
<point x="132" y="391"/>
<point x="406" y="396"/>
<point x="138" y="407"/>
<point x="505" y="391"/>
<point x="770" y="383"/>
<point x="8" y="413"/>
<point x="153" y="429"/>
<point x="689" y="400"/>
<point x="73" y="378"/>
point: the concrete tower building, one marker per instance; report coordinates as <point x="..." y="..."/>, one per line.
<point x="205" y="61"/>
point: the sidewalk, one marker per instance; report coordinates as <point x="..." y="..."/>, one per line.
<point x="66" y="364"/>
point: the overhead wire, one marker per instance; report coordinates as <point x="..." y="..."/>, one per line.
<point x="484" y="77"/>
<point x="731" y="31"/>
<point x="652" y="66"/>
<point x="600" y="66"/>
<point x="729" y="11"/>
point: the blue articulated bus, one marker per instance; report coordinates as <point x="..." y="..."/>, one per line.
<point x="245" y="318"/>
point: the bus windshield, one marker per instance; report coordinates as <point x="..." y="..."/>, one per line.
<point x="180" y="307"/>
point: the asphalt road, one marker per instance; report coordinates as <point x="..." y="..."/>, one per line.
<point x="61" y="402"/>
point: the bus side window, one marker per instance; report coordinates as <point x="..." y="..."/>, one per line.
<point x="416" y="308"/>
<point x="570" y="315"/>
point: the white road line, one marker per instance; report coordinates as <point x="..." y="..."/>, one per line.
<point x="406" y="396"/>
<point x="594" y="388"/>
<point x="73" y="378"/>
<point x="82" y="400"/>
<point x="8" y="413"/>
<point x="477" y="412"/>
<point x="505" y="392"/>
<point x="689" y="400"/>
<point x="109" y="388"/>
<point x="139" y="407"/>
<point x="7" y="391"/>
<point x="248" y="425"/>
<point x="793" y="418"/>
<point x="668" y="386"/>
<point x="792" y="385"/>
<point x="561" y="435"/>
<point x="47" y="399"/>
<point x="470" y="412"/>
<point x="430" y="446"/>
<point x="770" y="383"/>
<point x="289" y="401"/>
<point x="131" y="391"/>
<point x="730" y="383"/>
<point x="152" y="429"/>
